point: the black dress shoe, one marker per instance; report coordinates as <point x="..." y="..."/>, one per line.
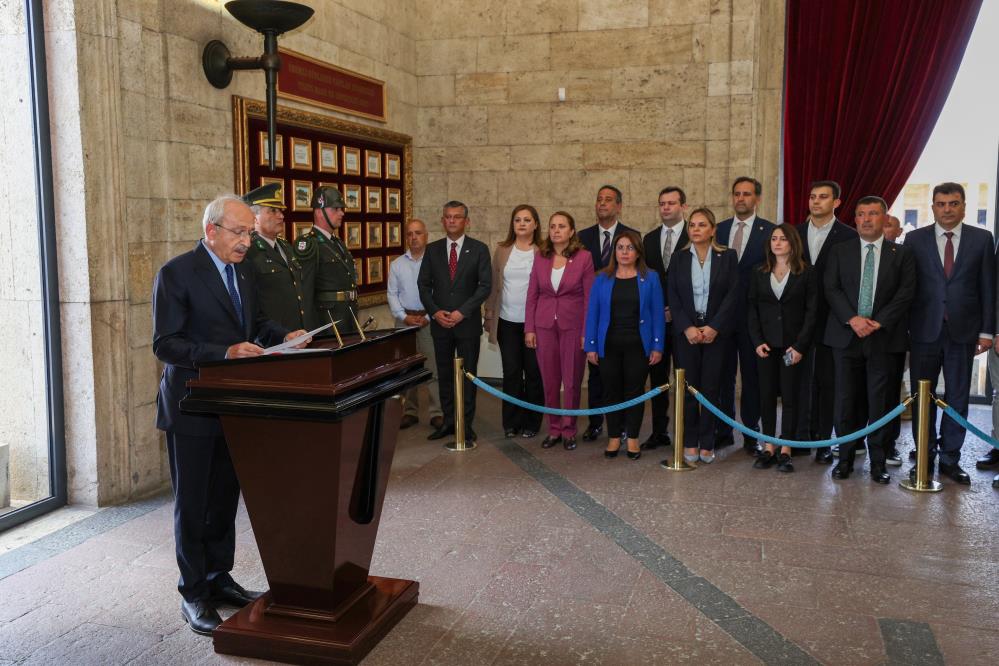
<point x="470" y="435"/>
<point x="655" y="440"/>
<point x="549" y="441"/>
<point x="823" y="455"/>
<point x="995" y="481"/>
<point x="569" y="443"/>
<point x="528" y="433"/>
<point x="784" y="464"/>
<point x="765" y="460"/>
<point x="751" y="447"/>
<point x="841" y="472"/>
<point x="989" y="461"/>
<point x="592" y="433"/>
<point x="721" y="441"/>
<point x="408" y="421"/>
<point x="201" y="615"/>
<point x="233" y="595"/>
<point x="437" y="422"/>
<point x="879" y="475"/>
<point x="955" y="474"/>
<point x="635" y="455"/>
<point x="441" y="432"/>
<point x="510" y="433"/>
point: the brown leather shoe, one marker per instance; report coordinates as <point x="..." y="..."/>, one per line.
<point x="408" y="421"/>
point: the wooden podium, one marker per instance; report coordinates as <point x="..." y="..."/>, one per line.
<point x="312" y="436"/>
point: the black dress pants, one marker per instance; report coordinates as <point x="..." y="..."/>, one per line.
<point x="785" y="381"/>
<point x="595" y="395"/>
<point x="521" y="377"/>
<point x="206" y="495"/>
<point x="659" y="375"/>
<point x="445" y="347"/>
<point x="818" y="385"/>
<point x="624" y="368"/>
<point x="862" y="378"/>
<point x="703" y="365"/>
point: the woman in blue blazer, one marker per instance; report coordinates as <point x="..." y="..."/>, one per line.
<point x="625" y="334"/>
<point x="702" y="294"/>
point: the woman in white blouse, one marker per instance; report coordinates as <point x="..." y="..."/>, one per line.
<point x="505" y="312"/>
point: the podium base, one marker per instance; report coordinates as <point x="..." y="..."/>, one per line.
<point x="252" y="632"/>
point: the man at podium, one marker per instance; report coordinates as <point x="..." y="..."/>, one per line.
<point x="205" y="308"/>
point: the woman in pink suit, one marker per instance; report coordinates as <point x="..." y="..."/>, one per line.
<point x="557" y="298"/>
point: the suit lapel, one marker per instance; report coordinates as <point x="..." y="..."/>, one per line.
<point x="213" y="281"/>
<point x="657" y="250"/>
<point x="245" y="297"/>
<point x="851" y="273"/>
<point x="885" y="267"/>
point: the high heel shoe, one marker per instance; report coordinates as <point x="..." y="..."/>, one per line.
<point x="691" y="457"/>
<point x="611" y="453"/>
<point x="550" y="441"/>
<point x="634" y="455"/>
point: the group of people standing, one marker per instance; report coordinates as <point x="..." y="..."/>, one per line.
<point x="821" y="316"/>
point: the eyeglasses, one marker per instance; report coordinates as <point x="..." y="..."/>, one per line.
<point x="244" y="233"/>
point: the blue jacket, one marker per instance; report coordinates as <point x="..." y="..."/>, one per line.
<point x="652" y="318"/>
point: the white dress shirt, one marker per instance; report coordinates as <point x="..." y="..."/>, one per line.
<point x="447" y="247"/>
<point x="557" y="274"/>
<point x="817" y="237"/>
<point x="516" y="274"/>
<point x="777" y="286"/>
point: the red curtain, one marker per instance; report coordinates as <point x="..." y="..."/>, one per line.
<point x="865" y="83"/>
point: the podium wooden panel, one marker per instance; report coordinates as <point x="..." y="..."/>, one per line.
<point x="312" y="437"/>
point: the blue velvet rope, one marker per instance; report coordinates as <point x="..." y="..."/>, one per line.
<point x="880" y="423"/>
<point x="564" y="412"/>
<point x="967" y="425"/>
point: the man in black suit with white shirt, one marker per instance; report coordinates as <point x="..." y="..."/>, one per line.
<point x="660" y="245"/>
<point x="454" y="281"/>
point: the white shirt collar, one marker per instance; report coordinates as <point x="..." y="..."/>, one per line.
<point x="612" y="229"/>
<point x="877" y="243"/>
<point x="749" y="221"/>
<point x="676" y="228"/>
<point x="940" y="231"/>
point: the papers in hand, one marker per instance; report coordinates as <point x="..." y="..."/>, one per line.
<point x="287" y="346"/>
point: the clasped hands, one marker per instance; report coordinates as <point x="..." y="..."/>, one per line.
<point x="249" y="350"/>
<point x="863" y="326"/>
<point x="448" y="319"/>
<point x="415" y="320"/>
<point x="700" y="335"/>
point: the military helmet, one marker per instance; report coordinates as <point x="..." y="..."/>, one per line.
<point x="269" y="195"/>
<point x="327" y="197"/>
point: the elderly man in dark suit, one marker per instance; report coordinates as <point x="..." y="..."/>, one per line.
<point x="821" y="233"/>
<point x="454" y="281"/>
<point x="661" y="244"/>
<point x="747" y="234"/>
<point x="869" y="287"/>
<point x="599" y="240"/>
<point x="205" y="308"/>
<point x="953" y="316"/>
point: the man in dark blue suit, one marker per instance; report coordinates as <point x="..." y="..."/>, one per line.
<point x="205" y="308"/>
<point x="748" y="235"/>
<point x="822" y="232"/>
<point x="599" y="240"/>
<point x="953" y="316"/>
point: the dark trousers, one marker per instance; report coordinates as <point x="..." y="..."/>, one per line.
<point x="955" y="358"/>
<point x="206" y="494"/>
<point x="785" y="381"/>
<point x="892" y="398"/>
<point x="818" y="383"/>
<point x="703" y="365"/>
<point x="739" y="352"/>
<point x="862" y="379"/>
<point x="595" y="395"/>
<point x="624" y="367"/>
<point x="659" y="375"/>
<point x="445" y="348"/>
<point x="521" y="377"/>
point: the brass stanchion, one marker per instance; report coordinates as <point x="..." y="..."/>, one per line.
<point x="459" y="443"/>
<point x="923" y="482"/>
<point x="678" y="464"/>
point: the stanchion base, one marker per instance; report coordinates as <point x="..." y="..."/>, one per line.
<point x="916" y="487"/>
<point x="460" y="446"/>
<point x="683" y="466"/>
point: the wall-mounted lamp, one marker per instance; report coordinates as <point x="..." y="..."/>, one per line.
<point x="270" y="18"/>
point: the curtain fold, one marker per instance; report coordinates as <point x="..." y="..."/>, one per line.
<point x="865" y="83"/>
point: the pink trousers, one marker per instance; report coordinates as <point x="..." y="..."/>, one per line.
<point x="562" y="362"/>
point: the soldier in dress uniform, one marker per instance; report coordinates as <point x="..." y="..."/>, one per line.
<point x="328" y="262"/>
<point x="284" y="294"/>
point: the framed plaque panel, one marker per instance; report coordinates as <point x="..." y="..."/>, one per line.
<point x="374" y="175"/>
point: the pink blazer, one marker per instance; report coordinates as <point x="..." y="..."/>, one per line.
<point x="566" y="308"/>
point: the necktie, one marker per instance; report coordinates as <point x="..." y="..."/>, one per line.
<point x="230" y="278"/>
<point x="866" y="305"/>
<point x="737" y="241"/>
<point x="605" y="251"/>
<point x="452" y="262"/>
<point x="949" y="254"/>
<point x="668" y="248"/>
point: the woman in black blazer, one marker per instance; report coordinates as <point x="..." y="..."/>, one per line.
<point x="783" y="294"/>
<point x="701" y="288"/>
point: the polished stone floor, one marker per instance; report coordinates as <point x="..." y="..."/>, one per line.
<point x="531" y="556"/>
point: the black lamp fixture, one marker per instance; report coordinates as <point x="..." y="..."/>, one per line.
<point x="270" y="18"/>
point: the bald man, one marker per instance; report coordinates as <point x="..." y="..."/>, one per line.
<point x="893" y="229"/>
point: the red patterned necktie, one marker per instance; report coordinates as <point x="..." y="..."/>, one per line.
<point x="949" y="254"/>
<point x="452" y="262"/>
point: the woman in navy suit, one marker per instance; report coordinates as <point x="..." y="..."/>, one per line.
<point x="625" y="334"/>
<point x="702" y="294"/>
<point x="783" y="293"/>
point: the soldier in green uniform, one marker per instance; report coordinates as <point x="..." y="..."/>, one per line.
<point x="327" y="260"/>
<point x="284" y="293"/>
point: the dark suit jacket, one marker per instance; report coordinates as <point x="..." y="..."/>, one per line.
<point x="590" y="238"/>
<point x="723" y="293"/>
<point x="754" y="255"/>
<point x="893" y="294"/>
<point x="785" y="322"/>
<point x="838" y="234"/>
<point x="468" y="291"/>
<point x="653" y="242"/>
<point x="967" y="298"/>
<point x="194" y="321"/>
